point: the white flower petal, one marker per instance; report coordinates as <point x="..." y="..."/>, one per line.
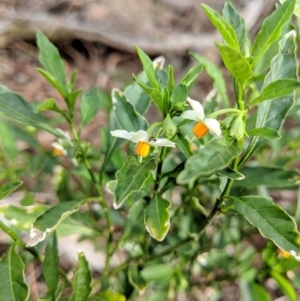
<point x="122" y="134"/>
<point x="161" y="142"/>
<point x="197" y="108"/>
<point x="213" y="126"/>
<point x="65" y="134"/>
<point x="158" y="63"/>
<point x="189" y="114"/>
<point x="58" y="146"/>
<point x="139" y="136"/>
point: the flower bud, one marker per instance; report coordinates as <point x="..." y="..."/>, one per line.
<point x="169" y="127"/>
<point x="237" y="127"/>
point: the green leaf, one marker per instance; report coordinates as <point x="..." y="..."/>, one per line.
<point x="125" y="114"/>
<point x="159" y="273"/>
<point x="110" y="296"/>
<point x="8" y="142"/>
<point x="231" y="174"/>
<point x="134" y="226"/>
<point x="157" y="217"/>
<point x="49" y="57"/>
<point x="224" y="28"/>
<point x="179" y="95"/>
<point x="236" y="63"/>
<point x="50" y="220"/>
<point x="12" y="284"/>
<point x="297" y="7"/>
<point x="285" y="286"/>
<point x="265" y="132"/>
<point x="136" y="95"/>
<point x="16" y="107"/>
<point x="147" y="66"/>
<point x="183" y="145"/>
<point x="91" y="103"/>
<point x="272" y="221"/>
<point x="171" y="78"/>
<point x="82" y="281"/>
<point x="23" y="216"/>
<point x="252" y="291"/>
<point x="51" y="265"/>
<point x="271" y="28"/>
<point x="271" y="114"/>
<point x="215" y="73"/>
<point x="132" y="177"/>
<point x="278" y="88"/>
<point x="191" y="76"/>
<point x="214" y="157"/>
<point x="48" y="104"/>
<point x="8" y="188"/>
<point x="238" y="24"/>
<point x="275" y="177"/>
<point x="154" y="93"/>
<point x="136" y="279"/>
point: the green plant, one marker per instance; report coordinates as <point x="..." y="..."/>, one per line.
<point x="190" y="201"/>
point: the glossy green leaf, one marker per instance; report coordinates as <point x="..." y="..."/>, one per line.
<point x="136" y="279"/>
<point x="275" y="177"/>
<point x="179" y="95"/>
<point x="157" y="217"/>
<point x="16" y="107"/>
<point x="50" y="220"/>
<point x="49" y="104"/>
<point x="82" y="281"/>
<point x="134" y="226"/>
<point x="8" y="188"/>
<point x="224" y="28"/>
<point x="272" y="221"/>
<point x="278" y="88"/>
<point x="51" y="265"/>
<point x="265" y="132"/>
<point x="215" y="73"/>
<point x="236" y="63"/>
<point x="147" y="66"/>
<point x="51" y="60"/>
<point x="109" y="296"/>
<point x="271" y="28"/>
<point x="154" y="94"/>
<point x="132" y="177"/>
<point x="237" y="22"/>
<point x="125" y="114"/>
<point x="12" y="284"/>
<point x="136" y="95"/>
<point x="271" y="114"/>
<point x="214" y="157"/>
<point x="183" y="145"/>
<point x="284" y="285"/>
<point x="91" y="103"/>
<point x="191" y="76"/>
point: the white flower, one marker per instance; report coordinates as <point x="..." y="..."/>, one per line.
<point x="159" y="62"/>
<point x="142" y="139"/>
<point x="204" y="125"/>
<point x="62" y="144"/>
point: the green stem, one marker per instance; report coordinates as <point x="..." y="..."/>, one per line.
<point x="159" y="168"/>
<point x="20" y="242"/>
<point x="223" y="111"/>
